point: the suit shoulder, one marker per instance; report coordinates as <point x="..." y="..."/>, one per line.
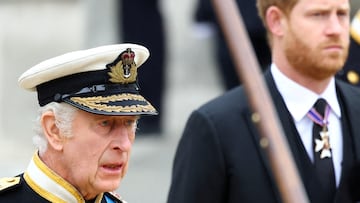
<point x="345" y="86"/>
<point x="8" y="183"/>
<point x="234" y="99"/>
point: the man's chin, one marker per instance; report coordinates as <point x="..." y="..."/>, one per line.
<point x="107" y="183"/>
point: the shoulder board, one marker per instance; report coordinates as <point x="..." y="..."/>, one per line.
<point x="355" y="27"/>
<point x="115" y="197"/>
<point x="6" y="183"/>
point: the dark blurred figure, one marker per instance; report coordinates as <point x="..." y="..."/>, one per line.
<point x="141" y="22"/>
<point x="351" y="70"/>
<point x="204" y="13"/>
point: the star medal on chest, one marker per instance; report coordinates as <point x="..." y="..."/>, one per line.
<point x="323" y="144"/>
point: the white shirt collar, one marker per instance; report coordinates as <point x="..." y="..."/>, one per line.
<point x="298" y="99"/>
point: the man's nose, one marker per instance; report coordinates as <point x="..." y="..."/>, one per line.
<point x="335" y="25"/>
<point x="122" y="139"/>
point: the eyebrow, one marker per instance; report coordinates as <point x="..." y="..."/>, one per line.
<point x="344" y="7"/>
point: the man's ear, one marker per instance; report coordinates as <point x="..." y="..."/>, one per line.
<point x="51" y="131"/>
<point x="275" y="20"/>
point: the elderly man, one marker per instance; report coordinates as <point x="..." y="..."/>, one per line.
<point x="90" y="105"/>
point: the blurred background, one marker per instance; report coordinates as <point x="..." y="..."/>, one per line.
<point x="34" y="30"/>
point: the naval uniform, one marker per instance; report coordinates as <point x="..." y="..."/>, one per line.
<point x="101" y="81"/>
<point x="40" y="184"/>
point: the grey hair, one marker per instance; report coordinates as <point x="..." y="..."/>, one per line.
<point x="64" y="115"/>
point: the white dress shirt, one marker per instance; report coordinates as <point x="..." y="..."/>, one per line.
<point x="299" y="100"/>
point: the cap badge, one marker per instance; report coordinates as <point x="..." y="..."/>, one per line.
<point x="123" y="69"/>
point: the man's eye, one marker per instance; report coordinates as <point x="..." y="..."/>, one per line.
<point x="343" y="13"/>
<point x="103" y="126"/>
<point x="319" y="14"/>
<point x="105" y="123"/>
<point x="129" y="122"/>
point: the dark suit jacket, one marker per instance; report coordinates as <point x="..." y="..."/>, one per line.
<point x="219" y="160"/>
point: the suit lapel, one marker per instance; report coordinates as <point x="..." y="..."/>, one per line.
<point x="351" y="98"/>
<point x="300" y="156"/>
<point x="296" y="146"/>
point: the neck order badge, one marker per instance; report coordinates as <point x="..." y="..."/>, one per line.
<point x="321" y="119"/>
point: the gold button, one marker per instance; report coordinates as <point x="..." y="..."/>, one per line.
<point x="353" y="77"/>
<point x="10" y="180"/>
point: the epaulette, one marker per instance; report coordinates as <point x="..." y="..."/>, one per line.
<point x="355" y="27"/>
<point x="8" y="183"/>
<point x="115" y="197"/>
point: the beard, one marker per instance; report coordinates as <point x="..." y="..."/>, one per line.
<point x="313" y="62"/>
